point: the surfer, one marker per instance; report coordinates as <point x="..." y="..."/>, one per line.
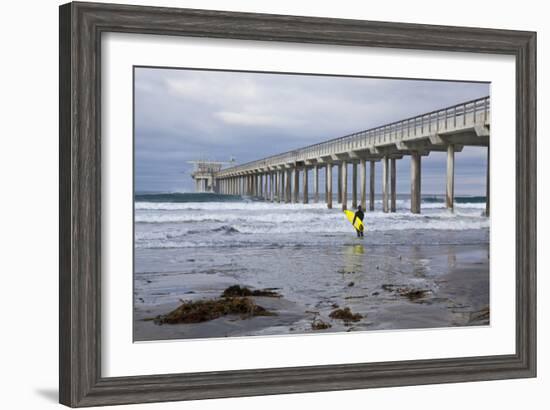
<point x="359" y="215"/>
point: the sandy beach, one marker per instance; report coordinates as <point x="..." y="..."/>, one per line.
<point x="391" y="287"/>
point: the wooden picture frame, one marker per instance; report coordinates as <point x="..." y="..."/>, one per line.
<point x="81" y="27"/>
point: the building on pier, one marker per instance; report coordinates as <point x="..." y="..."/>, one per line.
<point x="204" y="174"/>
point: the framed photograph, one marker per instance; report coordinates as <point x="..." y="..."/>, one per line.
<point x="259" y="204"/>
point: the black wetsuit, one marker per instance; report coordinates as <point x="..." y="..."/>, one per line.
<point x="359" y="215"/>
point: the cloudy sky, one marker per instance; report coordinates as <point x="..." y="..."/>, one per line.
<point x="183" y="115"/>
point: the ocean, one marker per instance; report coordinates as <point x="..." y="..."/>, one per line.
<point x="191" y="246"/>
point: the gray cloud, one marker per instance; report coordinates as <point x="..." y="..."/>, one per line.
<point x="183" y="115"/>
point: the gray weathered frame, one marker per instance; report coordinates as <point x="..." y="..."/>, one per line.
<point x="81" y="26"/>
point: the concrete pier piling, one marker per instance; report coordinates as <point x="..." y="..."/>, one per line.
<point x="296" y="185"/>
<point x="488" y="183"/>
<point x="344" y="198"/>
<point x="393" y="193"/>
<point x="271" y="190"/>
<point x="277" y="175"/>
<point x="385" y="184"/>
<point x="329" y="186"/>
<point x="316" y="183"/>
<point x="339" y="183"/>
<point x="288" y="191"/>
<point x="371" y="190"/>
<point x="450" y="194"/>
<point x="415" y="182"/>
<point x="363" y="183"/>
<point x="305" y="186"/>
<point x="354" y="185"/>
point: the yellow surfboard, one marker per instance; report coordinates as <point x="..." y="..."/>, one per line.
<point x="358" y="223"/>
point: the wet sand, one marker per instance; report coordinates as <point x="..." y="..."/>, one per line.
<point x="370" y="280"/>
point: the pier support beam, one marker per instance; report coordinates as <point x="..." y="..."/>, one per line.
<point x="450" y="196"/>
<point x="344" y="199"/>
<point x="266" y="186"/>
<point x="305" y="187"/>
<point x="385" y="183"/>
<point x="316" y="183"/>
<point x="371" y="192"/>
<point x="339" y="183"/>
<point x="363" y="183"/>
<point x="416" y="170"/>
<point x="328" y="184"/>
<point x="296" y="185"/>
<point x="354" y="185"/>
<point x="393" y="200"/>
<point x="488" y="183"/>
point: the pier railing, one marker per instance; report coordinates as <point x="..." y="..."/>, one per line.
<point x="455" y="117"/>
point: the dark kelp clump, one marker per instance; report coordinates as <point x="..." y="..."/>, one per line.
<point x="414" y="294"/>
<point x="318" y="324"/>
<point x="411" y="294"/>
<point x="238" y="291"/>
<point x="346" y="315"/>
<point x="205" y="310"/>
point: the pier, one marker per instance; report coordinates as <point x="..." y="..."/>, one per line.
<point x="277" y="178"/>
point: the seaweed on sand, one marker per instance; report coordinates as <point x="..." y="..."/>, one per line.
<point x="205" y="310"/>
<point x="414" y="294"/>
<point x="318" y="324"/>
<point x="238" y="291"/>
<point x="411" y="294"/>
<point x="346" y="315"/>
